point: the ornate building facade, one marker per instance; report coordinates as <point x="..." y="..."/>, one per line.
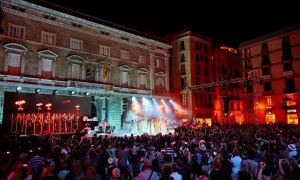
<point x="271" y="63"/>
<point x="61" y="53"/>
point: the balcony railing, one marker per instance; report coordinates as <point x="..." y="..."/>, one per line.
<point x="265" y="77"/>
<point x="288" y="73"/>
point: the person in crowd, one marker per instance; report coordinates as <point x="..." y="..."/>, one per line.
<point x="236" y="163"/>
<point x="147" y="172"/>
<point x="175" y="174"/>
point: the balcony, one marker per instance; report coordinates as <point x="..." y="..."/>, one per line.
<point x="288" y="73"/>
<point x="266" y="77"/>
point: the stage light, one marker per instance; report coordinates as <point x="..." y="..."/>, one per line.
<point x="86" y="94"/>
<point x="19" y="88"/>
<point x="71" y="93"/>
<point x="54" y="92"/>
<point x="37" y="90"/>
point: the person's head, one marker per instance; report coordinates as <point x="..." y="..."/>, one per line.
<point x="91" y="173"/>
<point x="167" y="170"/>
<point x="116" y="173"/>
<point x="147" y="164"/>
<point x="203" y="177"/>
<point x="217" y="164"/>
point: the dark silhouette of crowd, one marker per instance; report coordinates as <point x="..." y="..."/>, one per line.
<point x="235" y="152"/>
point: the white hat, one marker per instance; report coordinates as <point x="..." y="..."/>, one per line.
<point x="202" y="147"/>
<point x="292" y="147"/>
<point x="202" y="141"/>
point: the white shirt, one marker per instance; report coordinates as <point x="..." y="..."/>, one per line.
<point x="176" y="176"/>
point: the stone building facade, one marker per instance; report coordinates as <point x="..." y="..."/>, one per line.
<point x="60" y="51"/>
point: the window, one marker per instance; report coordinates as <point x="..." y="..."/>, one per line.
<point x="14" y="63"/>
<point x="198" y="69"/>
<point x="206" y="72"/>
<point x="184" y="99"/>
<point x="104" y="50"/>
<point x="182" y="69"/>
<point x="125" y="55"/>
<point x="197" y="80"/>
<point x="16" y="31"/>
<point x="269" y="101"/>
<point x="160" y="84"/>
<point x="48" y="38"/>
<point x="124" y="78"/>
<point x="75" y="67"/>
<point x="125" y="75"/>
<point x="249" y="88"/>
<point x="197" y="45"/>
<point x="183" y="82"/>
<point x="265" y="60"/>
<point x="286" y="49"/>
<point x="206" y="59"/>
<point x="287" y="67"/>
<point x="104" y="73"/>
<point x="142" y="78"/>
<point x="206" y="48"/>
<point x="267" y="86"/>
<point x="182" y="46"/>
<point x="46" y="71"/>
<point x="142" y="60"/>
<point x="247" y="61"/>
<point x="75" y="71"/>
<point x="160" y="63"/>
<point x="197" y="57"/>
<point x="142" y="81"/>
<point x="76" y="44"/>
<point x="265" y="71"/>
<point x="14" y="58"/>
<point x="290" y="85"/>
<point x="90" y="72"/>
<point x="182" y="57"/>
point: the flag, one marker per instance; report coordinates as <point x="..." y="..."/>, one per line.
<point x="105" y="69"/>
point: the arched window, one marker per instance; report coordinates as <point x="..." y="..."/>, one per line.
<point x="46" y="69"/>
<point x="76" y="70"/>
<point x="124" y="77"/>
<point x="160" y="82"/>
<point x="14" y="59"/>
<point x="143" y="78"/>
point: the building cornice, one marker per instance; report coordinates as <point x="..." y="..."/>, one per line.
<point x="270" y="37"/>
<point x="85" y="22"/>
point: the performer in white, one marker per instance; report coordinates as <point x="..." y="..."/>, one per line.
<point x="104" y="125"/>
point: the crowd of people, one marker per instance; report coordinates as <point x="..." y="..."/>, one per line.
<point x="235" y="152"/>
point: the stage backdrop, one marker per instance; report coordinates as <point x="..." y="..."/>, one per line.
<point x="59" y="104"/>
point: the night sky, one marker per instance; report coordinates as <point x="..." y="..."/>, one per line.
<point x="226" y="22"/>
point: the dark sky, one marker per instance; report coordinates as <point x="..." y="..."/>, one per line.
<point x="226" y="22"/>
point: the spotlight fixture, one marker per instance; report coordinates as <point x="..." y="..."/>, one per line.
<point x="71" y="93"/>
<point x="54" y="92"/>
<point x="37" y="90"/>
<point x="19" y="88"/>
